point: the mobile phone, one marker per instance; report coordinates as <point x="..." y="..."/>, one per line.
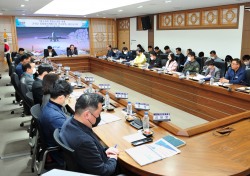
<point x="141" y="141"/>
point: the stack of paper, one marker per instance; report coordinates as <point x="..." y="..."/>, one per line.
<point x="108" y="118"/>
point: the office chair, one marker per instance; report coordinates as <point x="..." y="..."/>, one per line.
<point x="201" y="63"/>
<point x="248" y="77"/>
<point x="222" y="66"/>
<point x="9" y="65"/>
<point x="40" y="148"/>
<point x="68" y="153"/>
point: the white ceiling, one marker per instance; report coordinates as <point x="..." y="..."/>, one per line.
<point x="13" y="7"/>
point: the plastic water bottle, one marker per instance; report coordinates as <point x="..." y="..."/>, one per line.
<point x="187" y="75"/>
<point x="129" y="108"/>
<point x="211" y="80"/>
<point x="90" y="88"/>
<point x="107" y="100"/>
<point x="145" y="122"/>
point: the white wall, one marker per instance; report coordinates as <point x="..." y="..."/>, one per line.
<point x="137" y="37"/>
<point x="223" y="41"/>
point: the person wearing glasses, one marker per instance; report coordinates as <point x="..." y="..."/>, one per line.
<point x="53" y="116"/>
<point x="236" y="74"/>
<point x="77" y="133"/>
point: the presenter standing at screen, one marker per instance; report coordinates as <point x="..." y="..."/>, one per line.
<point x="72" y="50"/>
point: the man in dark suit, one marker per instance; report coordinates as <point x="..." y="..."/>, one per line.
<point x="53" y="116"/>
<point x="126" y="55"/>
<point x="110" y="52"/>
<point x="50" y="52"/>
<point x="18" y="56"/>
<point x="37" y="87"/>
<point x="90" y="156"/>
<point x="27" y="76"/>
<point x="154" y="61"/>
<point x="72" y="50"/>
<point x="24" y="60"/>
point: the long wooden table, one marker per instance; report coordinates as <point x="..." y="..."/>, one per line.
<point x="204" y="154"/>
<point x="215" y="104"/>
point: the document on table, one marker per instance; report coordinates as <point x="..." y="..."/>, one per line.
<point x="149" y="153"/>
<point x="222" y="84"/>
<point x="134" y="137"/>
<point x="76" y="94"/>
<point x="108" y="118"/>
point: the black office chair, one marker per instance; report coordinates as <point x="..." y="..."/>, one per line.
<point x="16" y="83"/>
<point x="26" y="103"/>
<point x="133" y="52"/>
<point x="248" y="77"/>
<point x="40" y="149"/>
<point x="222" y="66"/>
<point x="9" y="65"/>
<point x="68" y="153"/>
<point x="201" y="63"/>
<point x="29" y="95"/>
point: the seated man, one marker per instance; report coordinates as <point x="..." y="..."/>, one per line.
<point x="117" y="53"/>
<point x="24" y="60"/>
<point x="245" y="60"/>
<point x="167" y="50"/>
<point x="180" y="58"/>
<point x="50" y="52"/>
<point x="140" y="59"/>
<point x="53" y="116"/>
<point x="90" y="156"/>
<point x="72" y="50"/>
<point x="110" y="52"/>
<point x="158" y="51"/>
<point x="154" y="61"/>
<point x="150" y="49"/>
<point x="213" y="56"/>
<point x="236" y="74"/>
<point x="27" y="76"/>
<point x="18" y="56"/>
<point x="37" y="87"/>
<point x="126" y="55"/>
<point x="192" y="65"/>
<point x="212" y="71"/>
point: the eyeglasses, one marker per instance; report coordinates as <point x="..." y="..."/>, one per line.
<point x="92" y="114"/>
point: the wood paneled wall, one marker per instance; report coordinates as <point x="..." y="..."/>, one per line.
<point x="205" y="18"/>
<point x="245" y="48"/>
<point x="123" y="33"/>
<point x="102" y="33"/>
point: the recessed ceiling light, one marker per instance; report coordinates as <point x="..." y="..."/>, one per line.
<point x="139" y="7"/>
<point x="1" y="13"/>
<point x="85" y="16"/>
<point x="26" y="0"/>
<point x="168" y="1"/>
<point x="23" y="14"/>
<point x="22" y="5"/>
<point x="120" y="10"/>
<point x="57" y="15"/>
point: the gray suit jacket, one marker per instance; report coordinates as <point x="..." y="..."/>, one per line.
<point x="215" y="74"/>
<point x="28" y="80"/>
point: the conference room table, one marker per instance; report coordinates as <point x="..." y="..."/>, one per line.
<point x="205" y="153"/>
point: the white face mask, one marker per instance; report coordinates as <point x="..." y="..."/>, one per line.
<point x="33" y="70"/>
<point x="151" y="58"/>
<point x="212" y="57"/>
<point x="189" y="58"/>
<point x="246" y="63"/>
<point x="125" y="52"/>
<point x="50" y="53"/>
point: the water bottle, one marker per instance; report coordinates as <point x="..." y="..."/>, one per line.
<point x="211" y="80"/>
<point x="129" y="108"/>
<point x="145" y="122"/>
<point x="90" y="88"/>
<point x="187" y="75"/>
<point x="107" y="100"/>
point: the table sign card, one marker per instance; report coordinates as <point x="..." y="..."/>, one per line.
<point x="141" y="106"/>
<point x="89" y="79"/>
<point x="104" y="86"/>
<point x="121" y="95"/>
<point x="161" y="116"/>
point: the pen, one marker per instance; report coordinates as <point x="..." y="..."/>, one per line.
<point x="115" y="146"/>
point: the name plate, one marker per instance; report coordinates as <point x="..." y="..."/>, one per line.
<point x="161" y="116"/>
<point x="104" y="86"/>
<point x="141" y="106"/>
<point x="121" y="95"/>
<point x="89" y="79"/>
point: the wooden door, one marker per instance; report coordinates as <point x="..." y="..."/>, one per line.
<point x="123" y="32"/>
<point x="245" y="49"/>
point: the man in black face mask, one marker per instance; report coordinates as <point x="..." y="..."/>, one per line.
<point x="90" y="155"/>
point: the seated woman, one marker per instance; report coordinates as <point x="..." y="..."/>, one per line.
<point x="212" y="71"/>
<point x="245" y="61"/>
<point x="171" y="64"/>
<point x="140" y="59"/>
<point x="236" y="74"/>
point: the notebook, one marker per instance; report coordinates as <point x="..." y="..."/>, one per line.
<point x="149" y="153"/>
<point x="174" y="141"/>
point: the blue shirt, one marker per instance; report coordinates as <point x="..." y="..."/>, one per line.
<point x="19" y="70"/>
<point x="238" y="77"/>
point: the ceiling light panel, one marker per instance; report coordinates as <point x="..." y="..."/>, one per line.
<point x="80" y="7"/>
